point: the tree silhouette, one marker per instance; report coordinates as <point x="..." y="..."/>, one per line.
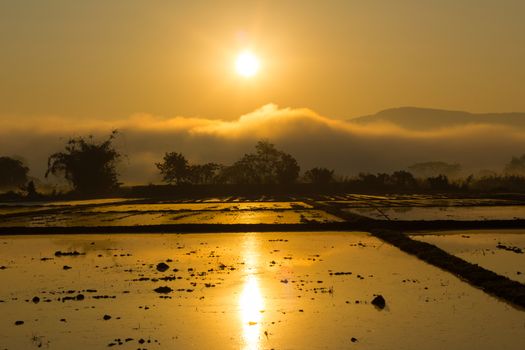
<point x="516" y="166"/>
<point x="439" y="183"/>
<point x="266" y="166"/>
<point x="287" y="168"/>
<point x="429" y="169"/>
<point x="403" y="180"/>
<point x="174" y="168"/>
<point x="31" y="190"/>
<point x="13" y="173"/>
<point x="203" y="173"/>
<point x="87" y="165"/>
<point x="319" y="175"/>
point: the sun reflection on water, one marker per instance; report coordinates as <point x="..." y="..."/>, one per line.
<point x="251" y="303"/>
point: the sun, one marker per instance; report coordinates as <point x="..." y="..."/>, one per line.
<point x="247" y="64"/>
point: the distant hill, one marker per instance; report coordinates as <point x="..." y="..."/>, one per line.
<point x="427" y="119"/>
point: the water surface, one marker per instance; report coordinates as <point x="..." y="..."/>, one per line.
<point x="494" y="250"/>
<point x="239" y="291"/>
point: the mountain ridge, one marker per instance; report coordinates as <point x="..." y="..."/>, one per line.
<point x="419" y="118"/>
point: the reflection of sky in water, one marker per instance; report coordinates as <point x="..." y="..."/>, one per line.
<point x="480" y="247"/>
<point x="251" y="303"/>
<point x="447" y="315"/>
<point x="443" y="213"/>
<point x="92" y="219"/>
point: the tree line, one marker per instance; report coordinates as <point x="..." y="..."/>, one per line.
<point x="90" y="167"/>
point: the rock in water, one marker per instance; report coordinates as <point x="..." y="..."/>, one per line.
<point x="161" y="267"/>
<point x="163" y="290"/>
<point x="379" y="302"/>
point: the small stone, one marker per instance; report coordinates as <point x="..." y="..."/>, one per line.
<point x="353" y="340"/>
<point x="163" y="290"/>
<point x="36" y="300"/>
<point x="106" y="317"/>
<point x="19" y="323"/>
<point x="379" y="302"/>
<point x="65" y="267"/>
<point x="58" y="253"/>
<point x="161" y="267"/>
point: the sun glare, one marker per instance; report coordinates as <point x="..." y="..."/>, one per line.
<point x="247" y="64"/>
<point x="251" y="300"/>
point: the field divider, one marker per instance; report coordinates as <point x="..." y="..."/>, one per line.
<point x="502" y="287"/>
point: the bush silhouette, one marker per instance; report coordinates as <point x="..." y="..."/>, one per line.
<point x="13" y="173"/>
<point x="319" y="175"/>
<point x="516" y="166"/>
<point x="266" y="166"/>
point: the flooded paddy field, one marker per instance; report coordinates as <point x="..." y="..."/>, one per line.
<point x="461" y="213"/>
<point x="239" y="291"/>
<point x="364" y="201"/>
<point x="142" y="218"/>
<point x="501" y="251"/>
<point x="154" y="213"/>
<point x="262" y="210"/>
<point x="12" y="207"/>
<point x="245" y="290"/>
<point x="430" y="207"/>
<point x="202" y="206"/>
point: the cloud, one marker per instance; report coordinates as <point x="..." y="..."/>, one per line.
<point x="315" y="140"/>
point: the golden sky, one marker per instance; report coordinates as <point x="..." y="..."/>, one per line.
<point x="111" y="59"/>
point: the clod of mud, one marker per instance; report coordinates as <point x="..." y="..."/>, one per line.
<point x="36" y="300"/>
<point x="58" y="253"/>
<point x="379" y="302"/>
<point x="19" y="323"/>
<point x="106" y="317"/>
<point x="510" y="249"/>
<point x="163" y="290"/>
<point x="161" y="267"/>
<point x="79" y="297"/>
<point x="65" y="267"/>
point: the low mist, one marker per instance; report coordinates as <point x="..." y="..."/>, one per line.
<point x="313" y="139"/>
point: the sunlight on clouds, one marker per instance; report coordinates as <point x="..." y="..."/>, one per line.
<point x="342" y="145"/>
<point x="269" y="121"/>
